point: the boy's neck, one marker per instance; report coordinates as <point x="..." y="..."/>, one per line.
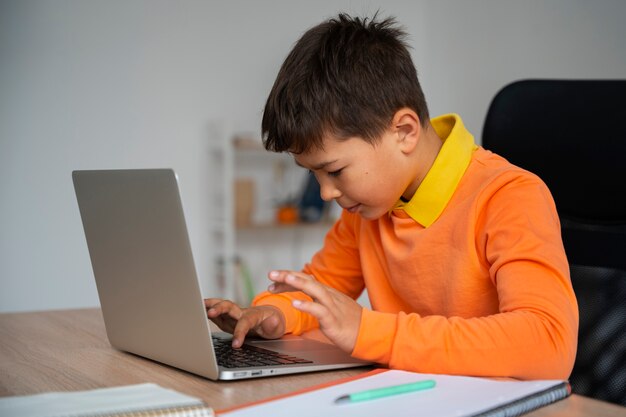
<point x="424" y="156"/>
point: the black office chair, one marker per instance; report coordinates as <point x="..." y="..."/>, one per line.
<point x="572" y="133"/>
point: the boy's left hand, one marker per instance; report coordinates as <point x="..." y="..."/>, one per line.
<point x="339" y="316"/>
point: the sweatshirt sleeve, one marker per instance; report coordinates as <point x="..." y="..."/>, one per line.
<point x="337" y="265"/>
<point x="534" y="334"/>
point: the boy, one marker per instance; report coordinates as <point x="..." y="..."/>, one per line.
<point x="459" y="250"/>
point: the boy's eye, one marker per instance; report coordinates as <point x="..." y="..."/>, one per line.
<point x="335" y="173"/>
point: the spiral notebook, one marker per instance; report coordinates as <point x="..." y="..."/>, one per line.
<point x="141" y="400"/>
<point x="453" y="396"/>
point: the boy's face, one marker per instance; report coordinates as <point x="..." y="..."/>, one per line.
<point x="363" y="178"/>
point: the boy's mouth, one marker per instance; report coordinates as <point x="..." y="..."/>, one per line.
<point x="353" y="209"/>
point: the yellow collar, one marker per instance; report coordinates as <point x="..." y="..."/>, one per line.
<point x="441" y="181"/>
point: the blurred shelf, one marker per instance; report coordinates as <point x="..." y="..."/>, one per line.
<point x="324" y="224"/>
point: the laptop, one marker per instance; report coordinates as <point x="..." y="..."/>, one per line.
<point x="148" y="289"/>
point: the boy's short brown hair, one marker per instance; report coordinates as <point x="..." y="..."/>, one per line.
<point x="346" y="77"/>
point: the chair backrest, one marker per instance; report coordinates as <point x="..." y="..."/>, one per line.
<point x="572" y="133"/>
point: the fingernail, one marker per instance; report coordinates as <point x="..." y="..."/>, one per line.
<point x="291" y="277"/>
<point x="274" y="274"/>
<point x="296" y="303"/>
<point x="271" y="288"/>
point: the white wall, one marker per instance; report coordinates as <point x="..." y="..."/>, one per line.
<point x="129" y="84"/>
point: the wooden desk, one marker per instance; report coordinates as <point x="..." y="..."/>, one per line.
<point x="68" y="350"/>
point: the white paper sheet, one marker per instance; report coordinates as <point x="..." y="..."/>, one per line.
<point x="452" y="396"/>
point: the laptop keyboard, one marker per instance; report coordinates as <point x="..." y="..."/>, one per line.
<point x="247" y="356"/>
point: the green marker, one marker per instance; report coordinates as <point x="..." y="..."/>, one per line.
<point x="373" y="394"/>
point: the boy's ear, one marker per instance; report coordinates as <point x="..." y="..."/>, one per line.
<point x="407" y="127"/>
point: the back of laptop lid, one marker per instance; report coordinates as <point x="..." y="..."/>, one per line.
<point x="143" y="266"/>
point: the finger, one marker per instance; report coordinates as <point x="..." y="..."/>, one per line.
<point x="210" y="302"/>
<point x="278" y="287"/>
<point x="309" y="286"/>
<point x="223" y="321"/>
<point x="280" y="278"/>
<point x="278" y="273"/>
<point x="225" y="307"/>
<point x="243" y="326"/>
<point x="317" y="310"/>
<point x="227" y="325"/>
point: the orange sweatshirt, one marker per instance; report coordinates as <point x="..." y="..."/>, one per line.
<point x="470" y="277"/>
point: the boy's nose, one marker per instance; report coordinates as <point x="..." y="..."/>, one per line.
<point x="328" y="191"/>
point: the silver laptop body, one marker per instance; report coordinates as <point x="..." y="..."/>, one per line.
<point x="147" y="284"/>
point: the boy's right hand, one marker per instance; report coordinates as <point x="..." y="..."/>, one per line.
<point x="264" y="321"/>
